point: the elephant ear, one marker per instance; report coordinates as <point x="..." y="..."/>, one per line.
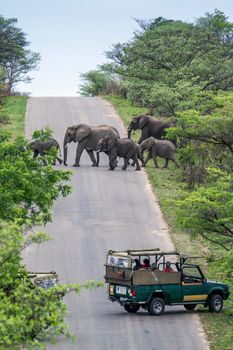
<point x="142" y="121"/>
<point x="150" y="142"/>
<point x="111" y="143"/>
<point x="82" y="131"/>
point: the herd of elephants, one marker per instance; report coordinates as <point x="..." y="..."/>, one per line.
<point x="105" y="138"/>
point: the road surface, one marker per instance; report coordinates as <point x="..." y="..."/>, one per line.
<point x="106" y="210"/>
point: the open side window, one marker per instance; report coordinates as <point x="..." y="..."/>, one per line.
<point x="192" y="274"/>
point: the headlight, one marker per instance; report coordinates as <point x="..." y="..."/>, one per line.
<point x="111" y="289"/>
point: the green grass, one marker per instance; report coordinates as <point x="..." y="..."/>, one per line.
<point x="167" y="186"/>
<point x="15" y="108"/>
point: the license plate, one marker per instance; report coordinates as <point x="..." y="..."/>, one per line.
<point x="121" y="290"/>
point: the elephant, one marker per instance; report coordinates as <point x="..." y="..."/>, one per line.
<point x="87" y="137"/>
<point x="149" y="125"/>
<point x="116" y="147"/>
<point x="40" y="147"/>
<point x="161" y="148"/>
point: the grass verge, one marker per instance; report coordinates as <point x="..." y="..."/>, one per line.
<point x="15" y="109"/>
<point x="167" y="186"/>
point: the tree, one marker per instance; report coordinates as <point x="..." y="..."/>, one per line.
<point x="2" y="84"/>
<point x="29" y="314"/>
<point x="208" y="210"/>
<point x="28" y="189"/>
<point x="97" y="82"/>
<point x="31" y="180"/>
<point x="204" y="140"/>
<point x="15" y="58"/>
<point x="169" y="61"/>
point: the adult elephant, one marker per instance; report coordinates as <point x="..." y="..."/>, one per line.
<point x="87" y="137"/>
<point x="149" y="125"/>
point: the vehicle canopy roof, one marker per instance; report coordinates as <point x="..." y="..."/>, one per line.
<point x="150" y="252"/>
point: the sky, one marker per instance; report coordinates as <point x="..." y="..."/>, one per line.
<point x="73" y="35"/>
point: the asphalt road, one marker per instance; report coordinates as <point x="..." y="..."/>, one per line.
<point x="106" y="210"/>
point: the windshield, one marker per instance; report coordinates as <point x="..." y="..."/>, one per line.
<point x="118" y="261"/>
<point x="191" y="271"/>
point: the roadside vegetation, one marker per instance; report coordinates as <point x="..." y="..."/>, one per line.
<point x="184" y="72"/>
<point x="29" y="315"/>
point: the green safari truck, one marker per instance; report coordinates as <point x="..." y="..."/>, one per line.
<point x="151" y="279"/>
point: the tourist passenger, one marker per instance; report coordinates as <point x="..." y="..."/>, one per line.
<point x="168" y="267"/>
<point x="136" y="264"/>
<point x="146" y="263"/>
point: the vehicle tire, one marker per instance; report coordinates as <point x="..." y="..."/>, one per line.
<point x="131" y="308"/>
<point x="190" y="307"/>
<point x="215" y="303"/>
<point x="156" y="307"/>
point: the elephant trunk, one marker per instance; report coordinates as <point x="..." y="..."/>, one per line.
<point x="65" y="146"/>
<point x="129" y="132"/>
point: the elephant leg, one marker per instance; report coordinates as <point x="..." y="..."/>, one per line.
<point x="135" y="159"/>
<point x="35" y="154"/>
<point x="79" y="152"/>
<point x="59" y="160"/>
<point x="126" y="162"/>
<point x="91" y="155"/>
<point x="97" y="158"/>
<point x="144" y="135"/>
<point x="140" y="157"/>
<point x="155" y="161"/>
<point x="166" y="163"/>
<point x="147" y="160"/>
<point x="112" y="163"/>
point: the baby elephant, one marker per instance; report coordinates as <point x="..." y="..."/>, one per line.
<point x="161" y="148"/>
<point x="114" y="147"/>
<point x="40" y="148"/>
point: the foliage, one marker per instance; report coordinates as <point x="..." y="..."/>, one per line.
<point x="43" y="134"/>
<point x="207" y="211"/>
<point x="125" y="107"/>
<point x="4" y="117"/>
<point x="27" y="189"/>
<point x="2" y="85"/>
<point x="169" y="62"/>
<point x="205" y="140"/>
<point x="29" y="314"/>
<point x="16" y="60"/>
<point x="214" y="128"/>
<point x="98" y="82"/>
<point x="35" y="186"/>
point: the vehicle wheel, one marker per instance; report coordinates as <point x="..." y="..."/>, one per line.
<point x="131" y="308"/>
<point x="190" y="307"/>
<point x="215" y="303"/>
<point x="156" y="307"/>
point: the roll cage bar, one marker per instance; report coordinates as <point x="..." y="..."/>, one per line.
<point x="156" y="252"/>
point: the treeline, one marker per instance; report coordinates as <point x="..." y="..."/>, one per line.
<point x="184" y="71"/>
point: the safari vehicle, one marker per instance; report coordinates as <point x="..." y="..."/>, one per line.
<point x="44" y="279"/>
<point x="151" y="288"/>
